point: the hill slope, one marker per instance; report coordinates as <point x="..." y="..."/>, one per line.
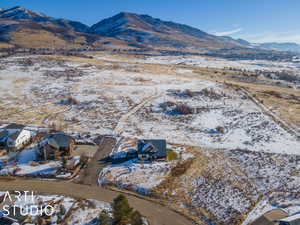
<point x="147" y="30"/>
<point x="21" y="14"/>
<point x="29" y="29"/>
<point x="286" y="46"/>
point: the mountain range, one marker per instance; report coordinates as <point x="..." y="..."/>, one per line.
<point x="25" y="28"/>
<point x="284" y="46"/>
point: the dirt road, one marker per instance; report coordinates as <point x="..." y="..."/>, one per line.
<point x="119" y="128"/>
<point x="89" y="175"/>
<point x="156" y="213"/>
<point x="272" y="115"/>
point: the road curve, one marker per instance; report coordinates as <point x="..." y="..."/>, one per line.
<point x="156" y="213"/>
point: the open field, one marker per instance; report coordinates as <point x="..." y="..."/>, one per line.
<point x="225" y="125"/>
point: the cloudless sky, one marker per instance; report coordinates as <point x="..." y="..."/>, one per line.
<point x="253" y="20"/>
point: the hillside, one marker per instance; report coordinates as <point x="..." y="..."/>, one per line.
<point x="21" y="14"/>
<point x="286" y="46"/>
<point x="29" y="29"/>
<point x="25" y="28"/>
<point x="147" y="30"/>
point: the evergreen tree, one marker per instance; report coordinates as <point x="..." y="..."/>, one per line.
<point x="121" y="210"/>
<point x="136" y="218"/>
<point x="105" y="218"/>
<point x="62" y="210"/>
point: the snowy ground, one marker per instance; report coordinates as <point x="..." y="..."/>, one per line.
<point x="136" y="175"/>
<point x="21" y="165"/>
<point x="104" y="97"/>
<point x="245" y="126"/>
<point x="289" y="202"/>
<point x="199" y="61"/>
<point x="26" y="162"/>
<point x="244" y="153"/>
<point x="228" y="184"/>
<point x="69" y="210"/>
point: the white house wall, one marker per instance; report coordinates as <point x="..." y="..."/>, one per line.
<point x="23" y="138"/>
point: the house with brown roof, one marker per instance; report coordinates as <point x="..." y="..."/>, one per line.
<point x="56" y="145"/>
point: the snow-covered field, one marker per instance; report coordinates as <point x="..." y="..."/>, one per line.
<point x="216" y="63"/>
<point x="104" y="98"/>
<point x="246" y="153"/>
<point x="228" y="185"/>
<point x="245" y="125"/>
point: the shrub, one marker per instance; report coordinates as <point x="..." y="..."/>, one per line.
<point x="183" y="109"/>
<point x="220" y="129"/>
<point x="189" y="93"/>
<point x="171" y="155"/>
<point x="166" y="105"/>
<point x="181" y="168"/>
<point x="209" y="92"/>
<point x="72" y="101"/>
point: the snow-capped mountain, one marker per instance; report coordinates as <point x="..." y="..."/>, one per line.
<point x="285" y="46"/>
<point x="20" y="13"/>
<point x="23" y="27"/>
<point x="147" y="30"/>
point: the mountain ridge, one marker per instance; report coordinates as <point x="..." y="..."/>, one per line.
<point x="125" y="29"/>
<point x="280" y="46"/>
<point x="146" y="29"/>
<point x="20" y="13"/>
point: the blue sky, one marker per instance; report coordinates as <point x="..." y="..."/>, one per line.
<point x="253" y="20"/>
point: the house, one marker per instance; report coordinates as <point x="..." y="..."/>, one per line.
<point x="291" y="220"/>
<point x="152" y="149"/>
<point x="15" y="136"/>
<point x="56" y="145"/>
<point x="270" y="217"/>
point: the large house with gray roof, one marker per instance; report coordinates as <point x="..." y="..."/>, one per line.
<point x="152" y="149"/>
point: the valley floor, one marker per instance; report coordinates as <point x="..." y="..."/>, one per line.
<point x="236" y="146"/>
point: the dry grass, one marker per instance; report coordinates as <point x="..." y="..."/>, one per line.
<point x="286" y="109"/>
<point x="94" y="62"/>
<point x="187" y="170"/>
<point x="30" y="38"/>
<point x="37" y="39"/>
<point x="21" y="81"/>
<point x="5" y="45"/>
